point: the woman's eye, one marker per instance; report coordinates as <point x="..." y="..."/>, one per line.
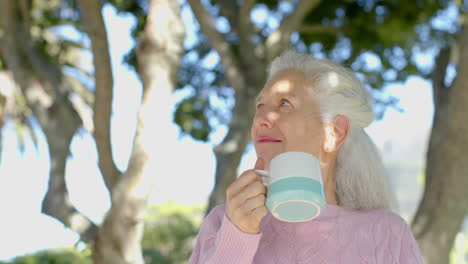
<point x="284" y="103"/>
<point x="259" y="106"/>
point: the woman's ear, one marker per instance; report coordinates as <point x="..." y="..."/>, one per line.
<point x="335" y="133"/>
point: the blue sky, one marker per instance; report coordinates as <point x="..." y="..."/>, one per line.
<point x="24" y="229"/>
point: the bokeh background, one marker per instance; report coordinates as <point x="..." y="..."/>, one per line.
<point x="126" y="120"/>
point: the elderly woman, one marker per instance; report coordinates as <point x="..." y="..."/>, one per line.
<point x="321" y="108"/>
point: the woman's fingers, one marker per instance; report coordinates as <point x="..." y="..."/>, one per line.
<point x="254" y="189"/>
<point x="245" y="200"/>
<point x="258" y="213"/>
<point x="253" y="203"/>
<point x="244" y="180"/>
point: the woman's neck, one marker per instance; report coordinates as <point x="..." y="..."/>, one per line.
<point x="328" y="168"/>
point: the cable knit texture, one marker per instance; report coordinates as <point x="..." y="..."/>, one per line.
<point x="338" y="235"/>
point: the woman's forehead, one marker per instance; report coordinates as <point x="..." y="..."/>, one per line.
<point x="290" y="82"/>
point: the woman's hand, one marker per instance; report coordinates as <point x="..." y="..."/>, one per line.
<point x="245" y="200"/>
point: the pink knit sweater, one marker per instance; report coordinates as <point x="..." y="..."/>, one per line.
<point x="338" y="235"/>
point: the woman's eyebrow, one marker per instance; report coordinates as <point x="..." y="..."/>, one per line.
<point x="289" y="95"/>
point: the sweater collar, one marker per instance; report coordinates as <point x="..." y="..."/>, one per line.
<point x="330" y="211"/>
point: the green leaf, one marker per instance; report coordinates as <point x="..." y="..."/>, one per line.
<point x="191" y="118"/>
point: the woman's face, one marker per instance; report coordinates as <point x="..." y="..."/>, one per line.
<point x="286" y="118"/>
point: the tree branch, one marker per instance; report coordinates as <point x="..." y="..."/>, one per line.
<point x="439" y="89"/>
<point x="279" y="39"/>
<point x="249" y="53"/>
<point x="462" y="70"/>
<point x="252" y="55"/>
<point x="82" y="100"/>
<point x="24" y="6"/>
<point x="245" y="23"/>
<point x="96" y="30"/>
<point x="49" y="74"/>
<point x="76" y="86"/>
<point x="60" y="127"/>
<point x="313" y="29"/>
<point x="246" y="7"/>
<point x="231" y="65"/>
<point x="38" y="99"/>
<point x="57" y="204"/>
<point x="229" y="9"/>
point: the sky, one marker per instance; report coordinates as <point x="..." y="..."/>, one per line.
<point x="182" y="177"/>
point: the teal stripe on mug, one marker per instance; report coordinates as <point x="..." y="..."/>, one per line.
<point x="292" y="199"/>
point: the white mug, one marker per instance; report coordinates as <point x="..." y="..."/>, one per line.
<point x="295" y="190"/>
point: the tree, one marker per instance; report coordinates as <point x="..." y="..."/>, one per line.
<point x="158" y="58"/>
<point x="46" y="89"/>
<point x="347" y="32"/>
<point x="344" y="31"/>
<point x="445" y="204"/>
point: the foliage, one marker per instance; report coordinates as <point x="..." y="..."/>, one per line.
<point x="45" y="21"/>
<point x="190" y="115"/>
<point x="459" y="252"/>
<point x="170" y="231"/>
<point x="348" y="32"/>
<point x="54" y="256"/>
<point x="390" y="30"/>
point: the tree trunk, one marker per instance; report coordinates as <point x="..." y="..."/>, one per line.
<point x="444" y="204"/>
<point x="246" y="73"/>
<point x="41" y="85"/>
<point x="229" y="152"/>
<point x="104" y="82"/>
<point x="158" y="54"/>
<point x="59" y="129"/>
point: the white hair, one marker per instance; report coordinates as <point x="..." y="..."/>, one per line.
<point x="361" y="178"/>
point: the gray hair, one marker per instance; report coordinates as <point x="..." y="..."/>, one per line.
<point x="361" y="178"/>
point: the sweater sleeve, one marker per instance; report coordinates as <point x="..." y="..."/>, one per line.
<point x="409" y="251"/>
<point x="220" y="241"/>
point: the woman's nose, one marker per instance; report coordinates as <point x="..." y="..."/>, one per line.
<point x="265" y="118"/>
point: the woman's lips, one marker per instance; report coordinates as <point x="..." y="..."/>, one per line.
<point x="267" y="139"/>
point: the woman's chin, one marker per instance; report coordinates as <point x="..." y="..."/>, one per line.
<point x="267" y="157"/>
